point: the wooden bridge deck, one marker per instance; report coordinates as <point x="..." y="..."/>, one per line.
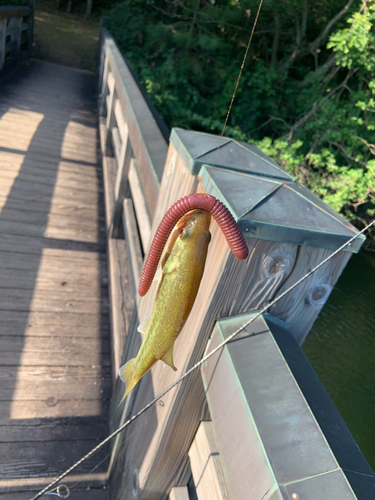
<point x="55" y="374"/>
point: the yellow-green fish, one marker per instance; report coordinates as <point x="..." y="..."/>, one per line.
<point x="182" y="269"/>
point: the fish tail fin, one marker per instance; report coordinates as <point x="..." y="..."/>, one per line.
<point x="126" y="375"/>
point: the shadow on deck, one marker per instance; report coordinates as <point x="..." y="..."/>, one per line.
<point x="55" y="373"/>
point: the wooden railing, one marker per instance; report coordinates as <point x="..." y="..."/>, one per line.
<point x="255" y="421"/>
<point x="16" y="32"/>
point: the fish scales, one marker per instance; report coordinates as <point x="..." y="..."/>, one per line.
<point x="182" y="269"/>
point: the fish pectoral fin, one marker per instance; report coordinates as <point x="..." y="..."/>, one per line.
<point x="168" y="358"/>
<point x="171" y="265"/>
<point x="126" y="375"/>
<point x="142" y="328"/>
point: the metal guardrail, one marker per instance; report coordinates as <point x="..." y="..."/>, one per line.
<point x="16" y="32"/>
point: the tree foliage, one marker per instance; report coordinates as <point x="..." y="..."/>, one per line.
<point x="306" y="95"/>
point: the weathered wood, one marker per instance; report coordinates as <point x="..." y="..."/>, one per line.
<point x="54" y="456"/>
<point x="209" y="476"/>
<point x="49" y="351"/>
<point x="20" y="228"/>
<point x="121" y="302"/>
<point x="86" y="480"/>
<point x="36" y="410"/>
<point x="132" y="244"/>
<point x="120" y="188"/>
<point x="69" y="180"/>
<point x="35" y="383"/>
<point x="55" y="368"/>
<point x="179" y="493"/>
<point x="3" y="34"/>
<point x="14" y="11"/>
<point x="228" y="287"/>
<point x="84" y="494"/>
<point x="18" y="260"/>
<point x="34" y="243"/>
<point x="148" y="144"/>
<point x="140" y="205"/>
<point x="50" y="319"/>
<point x="303" y="304"/>
<point x="85" y="428"/>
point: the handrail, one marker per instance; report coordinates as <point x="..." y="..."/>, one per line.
<point x="16" y="32"/>
<point x="14" y="11"/>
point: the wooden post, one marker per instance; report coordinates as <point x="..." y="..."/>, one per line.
<point x="103" y="87"/>
<point x="209" y="475"/>
<point x="14" y="30"/>
<point x="123" y="165"/>
<point x="3" y="29"/>
<point x="228" y="287"/>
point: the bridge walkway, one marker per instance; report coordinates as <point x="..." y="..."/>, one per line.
<point x="55" y="366"/>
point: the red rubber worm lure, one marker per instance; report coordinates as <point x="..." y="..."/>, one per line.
<point x="195" y="201"/>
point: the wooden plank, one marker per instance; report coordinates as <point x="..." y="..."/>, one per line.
<point x="88" y="290"/>
<point x="35" y="383"/>
<point x="55" y="145"/>
<point x="51" y="176"/>
<point x="150" y="148"/>
<point x="34" y="242"/>
<point x="54" y="329"/>
<point x="38" y="296"/>
<point x="52" y="305"/>
<point x="44" y="166"/>
<point x="63" y="262"/>
<point x="38" y="410"/>
<point x="51" y="319"/>
<point x="86" y="480"/>
<point x="24" y="195"/>
<point x="54" y="277"/>
<point x="76" y="213"/>
<point x="179" y="493"/>
<point x="50" y="351"/>
<point x="84" y="494"/>
<point x="87" y="331"/>
<point x="206" y="465"/>
<point x="46" y="187"/>
<point x="13" y="246"/>
<point x="85" y="428"/>
<point x="52" y="458"/>
<point x="133" y="244"/>
<point x="121" y="301"/>
<point x="143" y="217"/>
<point x="301" y="307"/>
<point x="52" y="221"/>
<point x="20" y="228"/>
<point x="121" y="184"/>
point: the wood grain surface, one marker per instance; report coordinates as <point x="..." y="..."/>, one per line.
<point x="55" y="361"/>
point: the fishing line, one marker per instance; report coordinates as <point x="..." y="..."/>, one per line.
<point x="197" y="365"/>
<point x="237" y="83"/>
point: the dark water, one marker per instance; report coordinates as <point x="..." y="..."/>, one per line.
<point x="341" y="348"/>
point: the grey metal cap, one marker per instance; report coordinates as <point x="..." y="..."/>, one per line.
<point x="269" y="438"/>
<point x="197" y="149"/>
<point x="263" y="198"/>
<point x="273" y="210"/>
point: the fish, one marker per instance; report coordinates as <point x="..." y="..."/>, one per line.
<point x="182" y="267"/>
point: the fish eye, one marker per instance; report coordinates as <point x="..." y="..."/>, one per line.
<point x="184" y="233"/>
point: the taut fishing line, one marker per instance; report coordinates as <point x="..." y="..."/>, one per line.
<point x="237" y="83"/>
<point x="197" y="365"/>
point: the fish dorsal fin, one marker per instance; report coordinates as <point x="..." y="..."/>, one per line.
<point x="168" y="358"/>
<point x="142" y="328"/>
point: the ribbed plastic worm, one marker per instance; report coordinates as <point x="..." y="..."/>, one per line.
<point x="207" y="202"/>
